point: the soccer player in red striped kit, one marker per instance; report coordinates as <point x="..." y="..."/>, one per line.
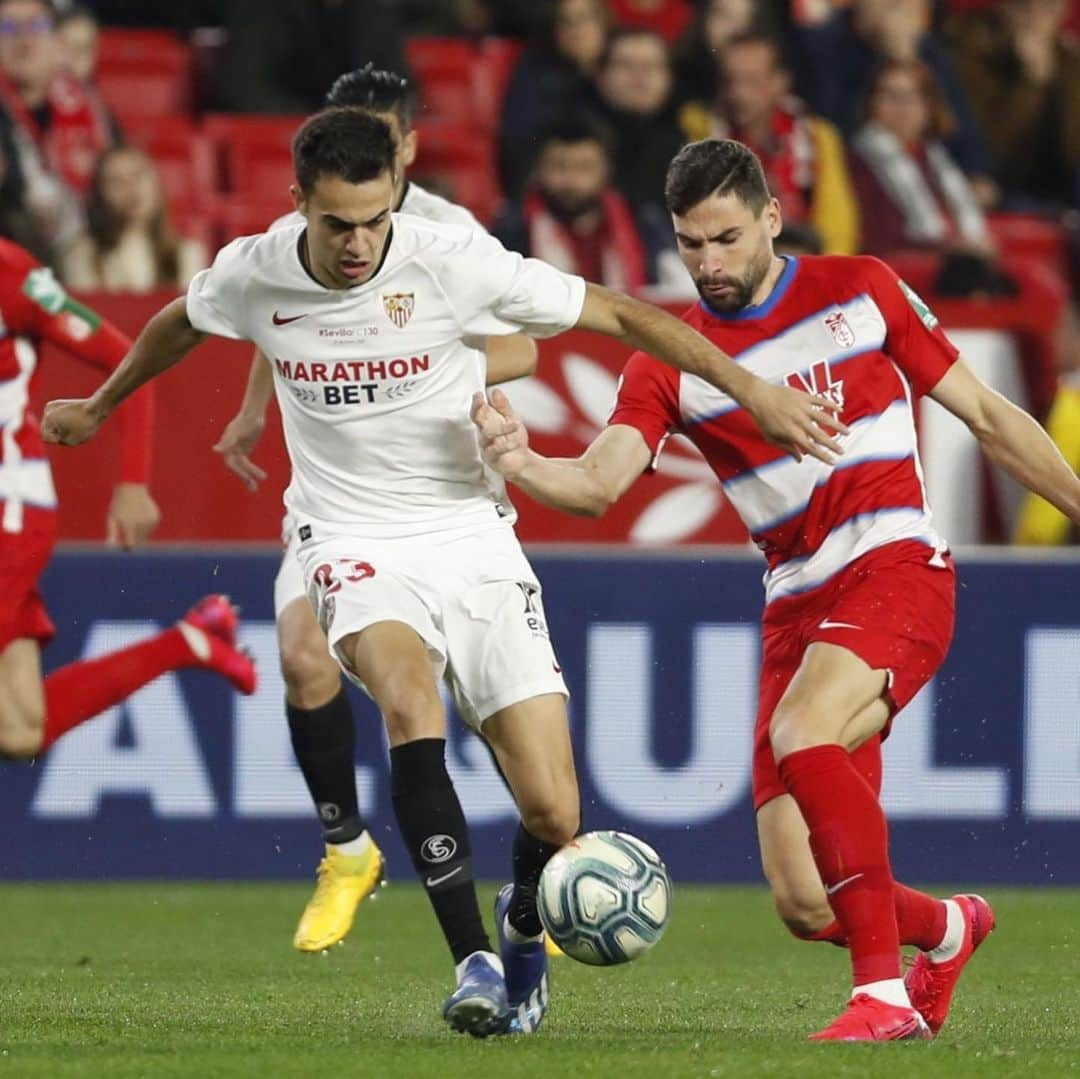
<point x="859" y="588"/>
<point x="34" y="712"/>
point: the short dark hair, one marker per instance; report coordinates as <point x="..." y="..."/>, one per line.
<point x="756" y="37"/>
<point x="625" y="33"/>
<point x="74" y="12"/>
<point x="376" y="89"/>
<point x="715" y="166"/>
<point x="349" y="143"/>
<point x="574" y="129"/>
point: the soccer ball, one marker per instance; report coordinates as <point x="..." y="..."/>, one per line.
<point x="605" y="898"/>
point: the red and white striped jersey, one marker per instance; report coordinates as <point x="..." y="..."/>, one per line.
<point x="34" y="307"/>
<point x="844" y="327"/>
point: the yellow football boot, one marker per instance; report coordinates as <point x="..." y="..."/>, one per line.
<point x="345" y="881"/>
<point x="552" y="948"/>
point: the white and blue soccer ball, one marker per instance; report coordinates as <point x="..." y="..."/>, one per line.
<point x="605" y="898"/>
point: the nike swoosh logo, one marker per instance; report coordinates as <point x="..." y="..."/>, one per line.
<point x="837" y="625"/>
<point x="840" y="884"/>
<point x="431" y="882"/>
<point x="279" y="321"/>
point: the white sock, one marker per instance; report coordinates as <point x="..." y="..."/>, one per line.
<point x="891" y="991"/>
<point x="491" y="957"/>
<point x="953" y="940"/>
<point x="515" y="937"/>
<point x="354" y="847"/>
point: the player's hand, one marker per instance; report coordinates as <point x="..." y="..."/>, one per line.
<point x="504" y="441"/>
<point x="796" y="421"/>
<point x="133" y="516"/>
<point x="236" y="445"/>
<point x="71" y="423"/>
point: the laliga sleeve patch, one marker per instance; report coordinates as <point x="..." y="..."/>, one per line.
<point x="918" y="305"/>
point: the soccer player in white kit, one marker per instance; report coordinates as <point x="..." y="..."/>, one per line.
<point x="405" y="537"/>
<point x="323" y="735"/>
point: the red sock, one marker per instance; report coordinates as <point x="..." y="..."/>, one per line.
<point x="920" y="918"/>
<point x="82" y="690"/>
<point x="849" y="840"/>
<point x="867" y="761"/>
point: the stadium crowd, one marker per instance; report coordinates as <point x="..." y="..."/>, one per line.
<point x="135" y="138"/>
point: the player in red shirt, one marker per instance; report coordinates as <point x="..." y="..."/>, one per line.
<point x="34" y="712"/>
<point x="859" y="588"/>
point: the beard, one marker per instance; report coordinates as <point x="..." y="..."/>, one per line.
<point x="569" y="207"/>
<point x="742" y="289"/>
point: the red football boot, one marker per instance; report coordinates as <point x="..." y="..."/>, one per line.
<point x="930" y="985"/>
<point x="867" y="1019"/>
<point x="210" y="631"/>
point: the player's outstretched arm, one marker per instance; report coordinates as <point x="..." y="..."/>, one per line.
<point x="587" y="485"/>
<point x="797" y="422"/>
<point x="1011" y="438"/>
<point x="243" y="431"/>
<point x="165" y="340"/>
<point x="510" y="357"/>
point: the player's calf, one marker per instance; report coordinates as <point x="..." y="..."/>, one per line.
<point x="22" y="723"/>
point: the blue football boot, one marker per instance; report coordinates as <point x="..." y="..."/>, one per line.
<point x="478" y="1006"/>
<point x="526" y="967"/>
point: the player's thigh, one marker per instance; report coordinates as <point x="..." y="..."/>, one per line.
<point x="531" y="741"/>
<point x="312" y="676"/>
<point x="831" y="690"/>
<point x="22" y="698"/>
<point x="394" y="665"/>
<point x="789" y="866"/>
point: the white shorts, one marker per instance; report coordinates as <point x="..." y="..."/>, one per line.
<point x="471" y="597"/>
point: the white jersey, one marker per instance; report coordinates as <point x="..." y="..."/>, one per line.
<point x="419" y="201"/>
<point x="374" y="382"/>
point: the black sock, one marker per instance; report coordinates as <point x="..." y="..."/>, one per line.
<point x="530" y="857"/>
<point x="324" y="741"/>
<point x="433" y="826"/>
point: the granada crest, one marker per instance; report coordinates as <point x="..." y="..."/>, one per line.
<point x="399" y="307"/>
<point x="841" y="329"/>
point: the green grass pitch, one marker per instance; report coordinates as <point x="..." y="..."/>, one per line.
<point x="201" y="980"/>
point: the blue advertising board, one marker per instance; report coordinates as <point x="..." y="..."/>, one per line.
<point x="186" y="780"/>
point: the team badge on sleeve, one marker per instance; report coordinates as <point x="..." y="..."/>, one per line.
<point x="918" y="305"/>
<point x="399" y="307"/>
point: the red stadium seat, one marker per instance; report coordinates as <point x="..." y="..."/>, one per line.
<point x="135" y="92"/>
<point x="255" y="152"/>
<point x="152" y="48"/>
<point x="184" y="159"/>
<point x="491" y="77"/>
<point x="242" y="216"/>
<point x="458" y="161"/>
<point x="444" y="71"/>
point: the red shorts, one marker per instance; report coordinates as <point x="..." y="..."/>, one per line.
<point x="23" y="557"/>
<point x="897" y="612"/>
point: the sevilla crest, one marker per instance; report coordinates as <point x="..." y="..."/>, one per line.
<point x="399" y="307"/>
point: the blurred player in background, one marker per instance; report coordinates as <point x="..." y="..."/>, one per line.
<point x="406" y="540"/>
<point x="34" y="308"/>
<point x="860" y="589"/>
<point x="318" y="710"/>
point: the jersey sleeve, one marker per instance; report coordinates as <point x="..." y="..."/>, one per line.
<point x="648" y="400"/>
<point x="495" y="291"/>
<point x="43" y="310"/>
<point x="215" y="297"/>
<point x="914" y="337"/>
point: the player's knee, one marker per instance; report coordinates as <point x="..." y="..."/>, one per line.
<point x="794" y="726"/>
<point x="311" y="676"/>
<point x="554" y="821"/>
<point x="411" y="709"/>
